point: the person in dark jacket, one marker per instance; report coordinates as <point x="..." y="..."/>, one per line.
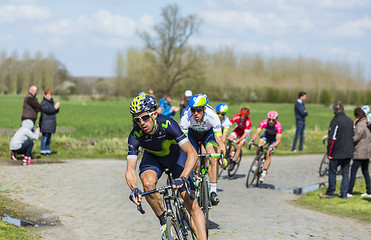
<point x="300" y="114"/>
<point x="339" y="150"/>
<point x="31" y="105"/>
<point x="48" y="121"/>
<point x="362" y="152"/>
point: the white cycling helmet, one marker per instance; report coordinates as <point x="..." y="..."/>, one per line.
<point x="366" y="109"/>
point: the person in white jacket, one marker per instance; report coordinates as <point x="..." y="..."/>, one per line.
<point x="22" y="141"/>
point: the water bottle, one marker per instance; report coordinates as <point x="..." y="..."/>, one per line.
<point x="231" y="153"/>
<point x="255" y="166"/>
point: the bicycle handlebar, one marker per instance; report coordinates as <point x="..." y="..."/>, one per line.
<point x="162" y="190"/>
<point x="259" y="146"/>
<point x="221" y="155"/>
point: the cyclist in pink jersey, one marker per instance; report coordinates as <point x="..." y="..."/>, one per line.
<point x="241" y="131"/>
<point x="271" y="136"/>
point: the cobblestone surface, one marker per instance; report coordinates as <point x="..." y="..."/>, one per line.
<point x="91" y="199"/>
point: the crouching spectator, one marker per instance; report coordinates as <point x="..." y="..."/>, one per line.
<point x="22" y="141"/>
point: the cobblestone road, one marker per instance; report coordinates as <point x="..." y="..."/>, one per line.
<point x="90" y="197"/>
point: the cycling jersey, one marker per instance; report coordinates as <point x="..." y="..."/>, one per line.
<point x="271" y="131"/>
<point x="226" y="123"/>
<point x="241" y="126"/>
<point x="210" y="121"/>
<point x="162" y="149"/>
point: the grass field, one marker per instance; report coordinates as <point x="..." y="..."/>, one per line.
<point x="99" y="129"/>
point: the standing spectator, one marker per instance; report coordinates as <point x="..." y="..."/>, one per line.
<point x="30" y="105"/>
<point x="339" y="150"/>
<point x="184" y="102"/>
<point x="165" y="107"/>
<point x="22" y="141"/>
<point x="300" y="114"/>
<point x="362" y="151"/>
<point x="48" y="121"/>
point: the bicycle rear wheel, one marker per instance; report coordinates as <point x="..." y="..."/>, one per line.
<point x="232" y="171"/>
<point x="323" y="167"/>
<point x="252" y="174"/>
<point x="259" y="172"/>
<point x="172" y="229"/>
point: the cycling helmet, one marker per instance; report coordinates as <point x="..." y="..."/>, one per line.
<point x="273" y="115"/>
<point x="366" y="109"/>
<point x="244" y="111"/>
<point x="198" y="100"/>
<point x="143" y="103"/>
<point x="221" y="108"/>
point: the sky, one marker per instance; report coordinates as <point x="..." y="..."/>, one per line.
<point x="86" y="35"/>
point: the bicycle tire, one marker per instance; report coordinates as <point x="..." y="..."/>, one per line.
<point x="259" y="172"/>
<point x="251" y="176"/>
<point x="232" y="172"/>
<point x="188" y="233"/>
<point x="205" y="203"/>
<point x="323" y="167"/>
<point x="172" y="229"/>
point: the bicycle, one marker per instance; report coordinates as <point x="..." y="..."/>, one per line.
<point x="231" y="150"/>
<point x="325" y="163"/>
<point x="178" y="226"/>
<point x="256" y="167"/>
<point x="202" y="184"/>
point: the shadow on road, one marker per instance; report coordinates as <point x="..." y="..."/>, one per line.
<point x="213" y="225"/>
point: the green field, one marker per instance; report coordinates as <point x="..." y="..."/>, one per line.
<point x="99" y="129"/>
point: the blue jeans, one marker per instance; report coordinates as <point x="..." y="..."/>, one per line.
<point x="26" y="148"/>
<point x="363" y="163"/>
<point x="300" y="130"/>
<point x="45" y="143"/>
<point x="334" y="163"/>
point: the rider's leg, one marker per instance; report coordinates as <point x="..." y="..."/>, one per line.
<point x="238" y="151"/>
<point x="197" y="216"/>
<point x="213" y="173"/>
<point x="267" y="162"/>
<point x="149" y="181"/>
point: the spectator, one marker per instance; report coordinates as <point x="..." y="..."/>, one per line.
<point x="22" y="141"/>
<point x="165" y="107"/>
<point x="30" y="105"/>
<point x="362" y="151"/>
<point x="184" y="102"/>
<point x="48" y="121"/>
<point x="151" y="93"/>
<point x="300" y="114"/>
<point x="339" y="150"/>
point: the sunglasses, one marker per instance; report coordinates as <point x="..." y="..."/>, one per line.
<point x="223" y="114"/>
<point x="271" y="120"/>
<point x="145" y="118"/>
<point x="196" y="110"/>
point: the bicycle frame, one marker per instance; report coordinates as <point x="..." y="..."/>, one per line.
<point x="254" y="174"/>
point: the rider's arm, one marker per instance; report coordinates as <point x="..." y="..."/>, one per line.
<point x="278" y="140"/>
<point x="220" y="142"/>
<point x="225" y="133"/>
<point x="244" y="135"/>
<point x="256" y="134"/>
<point x="192" y="156"/>
<point x="130" y="176"/>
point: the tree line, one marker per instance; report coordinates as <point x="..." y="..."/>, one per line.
<point x="17" y="73"/>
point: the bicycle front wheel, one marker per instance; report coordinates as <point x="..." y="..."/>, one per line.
<point x="323" y="168"/>
<point x="172" y="229"/>
<point x="252" y="174"/>
<point x="205" y="203"/>
<point x="188" y="232"/>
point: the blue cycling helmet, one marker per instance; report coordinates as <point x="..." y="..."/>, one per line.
<point x="142" y="103"/>
<point x="221" y="108"/>
<point x="198" y="100"/>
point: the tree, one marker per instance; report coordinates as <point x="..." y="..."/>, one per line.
<point x="175" y="60"/>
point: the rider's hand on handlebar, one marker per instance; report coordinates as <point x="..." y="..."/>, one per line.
<point x="250" y="143"/>
<point x="178" y="182"/>
<point x="136" y="196"/>
<point x="271" y="149"/>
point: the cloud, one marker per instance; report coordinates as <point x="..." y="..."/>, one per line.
<point x="343" y="4"/>
<point x="352" y="29"/>
<point x="14" y="13"/>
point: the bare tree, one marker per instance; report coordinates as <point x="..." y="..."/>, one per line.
<point x="176" y="60"/>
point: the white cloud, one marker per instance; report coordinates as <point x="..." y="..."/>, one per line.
<point x="55" y="41"/>
<point x="13" y="13"/>
<point x="343" y="4"/>
<point x="113" y="24"/>
<point x="110" y="42"/>
<point x="352" y="29"/>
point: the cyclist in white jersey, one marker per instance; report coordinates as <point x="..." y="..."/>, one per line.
<point x="201" y="124"/>
<point x="221" y="110"/>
